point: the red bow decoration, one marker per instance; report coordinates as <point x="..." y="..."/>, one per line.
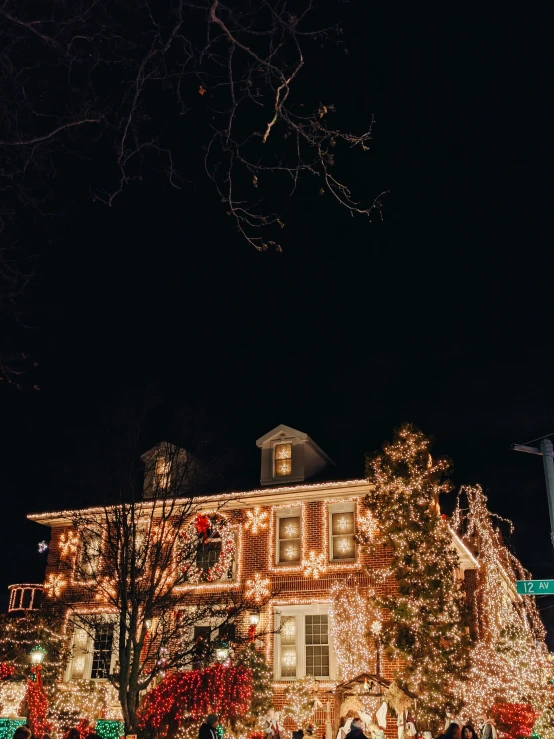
<point x="202" y="524"/>
<point x="251" y="632"/>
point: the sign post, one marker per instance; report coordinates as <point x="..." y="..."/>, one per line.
<point x="535" y="587"/>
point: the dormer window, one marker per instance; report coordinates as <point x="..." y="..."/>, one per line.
<point x="283" y="460"/>
<point x="163" y="468"/>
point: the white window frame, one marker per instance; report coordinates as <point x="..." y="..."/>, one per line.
<point x="349" y="507"/>
<point x="87" y="651"/>
<point x="301" y="611"/>
<point x="288" y="512"/>
<point x="277" y="442"/>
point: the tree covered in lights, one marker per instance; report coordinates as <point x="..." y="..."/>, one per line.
<point x="262" y="694"/>
<point x="18" y="636"/>
<point x="134" y="557"/>
<point x="510" y="661"/>
<point x="425" y="623"/>
<point x="301" y="701"/>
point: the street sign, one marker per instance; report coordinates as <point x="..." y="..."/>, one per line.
<point x="535" y="587"/>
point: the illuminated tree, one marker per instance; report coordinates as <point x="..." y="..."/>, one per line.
<point x="262" y="694"/>
<point x="300" y="700"/>
<point x="354" y="625"/>
<point x="509" y="658"/>
<point x="424" y="621"/>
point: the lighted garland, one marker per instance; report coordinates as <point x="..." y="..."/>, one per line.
<point x="199" y="531"/>
<point x="185" y="696"/>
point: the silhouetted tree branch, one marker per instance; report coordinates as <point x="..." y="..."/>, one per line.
<point x="113" y="82"/>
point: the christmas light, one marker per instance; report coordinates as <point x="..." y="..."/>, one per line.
<point x="42" y="547"/>
<point x="55" y="585"/>
<point x="258" y="588"/>
<point x="510" y="661"/>
<point x="256" y="520"/>
<point x="225" y="691"/>
<point x="352" y="613"/>
<point x="315" y="565"/>
<point x="69" y="541"/>
<point x="300" y="700"/>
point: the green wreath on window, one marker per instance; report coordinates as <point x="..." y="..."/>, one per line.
<point x="198" y="531"/>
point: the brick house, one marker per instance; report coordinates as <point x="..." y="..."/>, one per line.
<point x="294" y="538"/>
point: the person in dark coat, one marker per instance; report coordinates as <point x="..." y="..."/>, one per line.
<point x="468" y="732"/>
<point x="356" y="730"/>
<point x="207" y="730"/>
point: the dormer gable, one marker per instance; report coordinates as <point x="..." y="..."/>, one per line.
<point x="289" y="455"/>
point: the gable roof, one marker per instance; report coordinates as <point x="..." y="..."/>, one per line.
<point x="294" y="433"/>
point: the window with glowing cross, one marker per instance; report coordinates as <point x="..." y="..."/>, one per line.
<point x="342" y="535"/>
<point x="283" y="459"/>
<point x="288" y="539"/>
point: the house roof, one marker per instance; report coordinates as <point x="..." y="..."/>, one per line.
<point x="294" y="433"/>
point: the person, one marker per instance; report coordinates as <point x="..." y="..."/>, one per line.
<point x="22" y="732"/>
<point x="468" y="732"/>
<point x="271" y="727"/>
<point x="298" y="734"/>
<point x="452" y="732"/>
<point x="489" y="729"/>
<point x="73" y="734"/>
<point x="344" y="726"/>
<point x="356" y="729"/>
<point x="207" y="730"/>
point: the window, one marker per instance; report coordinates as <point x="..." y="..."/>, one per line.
<point x="317" y="646"/>
<point x="208" y="554"/>
<point x="343" y="529"/>
<point x="288" y="647"/>
<point x="302" y="643"/>
<point x="283" y="460"/>
<point x="91" y="550"/>
<point x="288" y="545"/>
<point x="202" y="647"/>
<point x="102" y="650"/>
<point x="163" y="469"/>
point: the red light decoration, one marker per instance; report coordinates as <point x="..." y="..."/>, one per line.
<point x="6" y="670"/>
<point x="517" y="719"/>
<point x="37" y="704"/>
<point x="225" y="691"/>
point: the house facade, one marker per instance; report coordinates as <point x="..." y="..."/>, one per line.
<point x="295" y="542"/>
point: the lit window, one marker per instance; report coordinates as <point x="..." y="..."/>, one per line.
<point x="102" y="650"/>
<point x="283" y="459"/>
<point x="288" y="647"/>
<point x="90" y="553"/>
<point x="342" y="535"/>
<point x="289" y="540"/>
<point x="163" y="469"/>
<point x="317" y="646"/>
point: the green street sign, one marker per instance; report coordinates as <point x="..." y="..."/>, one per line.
<point x="535" y="587"/>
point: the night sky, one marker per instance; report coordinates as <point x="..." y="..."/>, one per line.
<point x="441" y="314"/>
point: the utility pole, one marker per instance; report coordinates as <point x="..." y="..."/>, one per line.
<point x="546" y="451"/>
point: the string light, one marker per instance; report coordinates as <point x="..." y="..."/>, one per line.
<point x="55" y="585"/>
<point x="351" y="615"/>
<point x="258" y="588"/>
<point x="509" y="660"/>
<point x="300" y="700"/>
<point x="225" y="691"/>
<point x="69" y="541"/>
<point x="315" y="565"/>
<point x="42" y="547"/>
<point x="256" y="520"/>
<point x="425" y="627"/>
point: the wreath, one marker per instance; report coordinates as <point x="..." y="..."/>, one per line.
<point x="197" y="533"/>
